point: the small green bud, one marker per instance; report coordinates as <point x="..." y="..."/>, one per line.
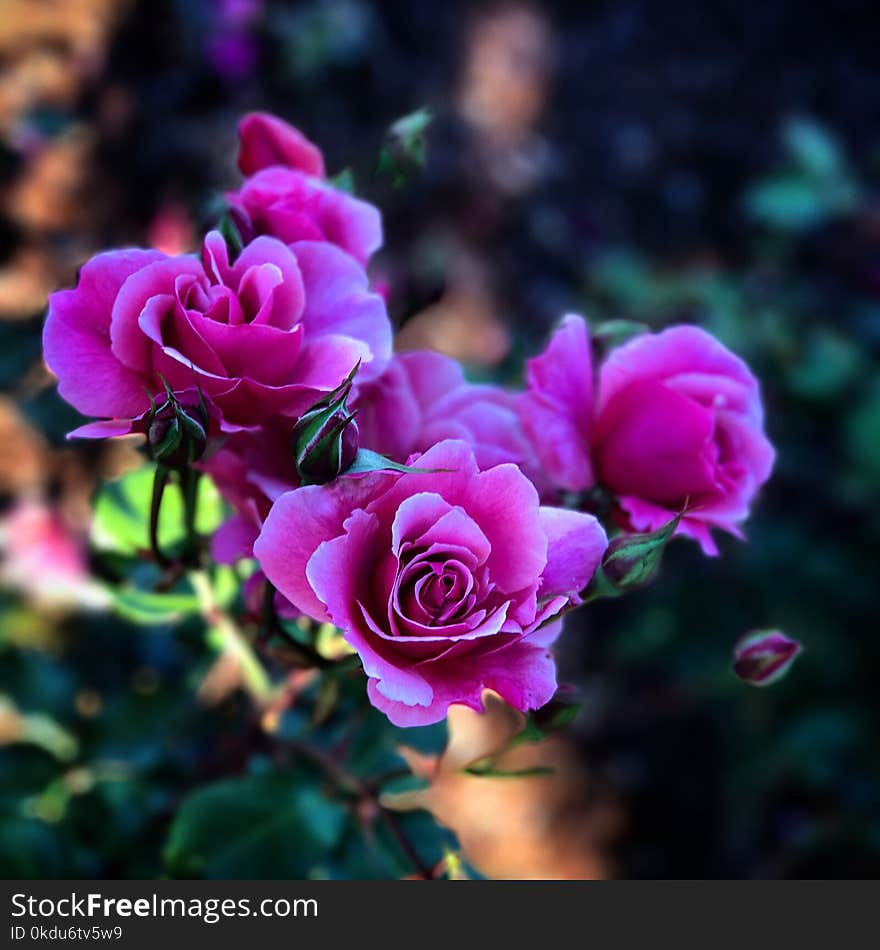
<point x="177" y="433"/>
<point x="325" y="437"/>
<point x="631" y="561"/>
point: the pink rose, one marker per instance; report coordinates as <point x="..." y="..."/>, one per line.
<point x="266" y="140"/>
<point x="287" y="197"/>
<point x="292" y="206"/>
<point x="677" y="420"/>
<point x="264" y="334"/>
<point x="445" y="583"/>
<point x="422" y="398"/>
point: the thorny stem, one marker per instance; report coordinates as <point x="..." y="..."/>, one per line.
<point x="403" y="840"/>
<point x="365" y="791"/>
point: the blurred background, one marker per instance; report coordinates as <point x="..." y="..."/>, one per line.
<point x="714" y="163"/>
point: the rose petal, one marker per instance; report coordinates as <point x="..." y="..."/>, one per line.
<point x="575" y="545"/>
<point x="266" y="140"/>
<point x="76" y="338"/>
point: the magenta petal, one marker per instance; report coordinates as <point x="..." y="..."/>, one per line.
<point x="426" y="518"/>
<point x="557" y="408"/>
<point x="524" y="675"/>
<point x="334" y="572"/>
<point x="297" y="524"/>
<point x="338" y="298"/>
<point x="292" y="207"/>
<point x="681" y="349"/>
<point x="655" y="443"/>
<point x="279" y="267"/>
<point x="234" y="540"/>
<point x="267" y="140"/>
<point x="505" y="505"/>
<point x="179" y="335"/>
<point x="408" y="715"/>
<point x="104" y="429"/>
<point x="575" y="545"/>
<point x="129" y="343"/>
<point x="326" y="361"/>
<point x="502" y="501"/>
<point x="431" y="375"/>
<point x="76" y="338"/>
<point x="389" y="416"/>
<point x="248" y="350"/>
<point x="348" y="222"/>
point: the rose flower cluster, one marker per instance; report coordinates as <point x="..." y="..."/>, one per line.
<point x="444" y="527"/>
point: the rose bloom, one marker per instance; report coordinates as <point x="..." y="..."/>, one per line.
<point x="286" y="194"/>
<point x="676" y="423"/>
<point x="265" y="334"/>
<point x="422" y="398"/>
<point x="446" y="583"/>
<point x="419" y="399"/>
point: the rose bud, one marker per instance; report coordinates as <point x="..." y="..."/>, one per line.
<point x="177" y="434"/>
<point x="764" y="656"/>
<point x="325" y="438"/>
<point x="630" y="561"/>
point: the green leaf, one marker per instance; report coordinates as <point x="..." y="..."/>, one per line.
<point x="231" y="234"/>
<point x="344" y="181"/>
<point x="812" y="148"/>
<point x="786" y="202"/>
<point x="151" y="607"/>
<point x="36" y="728"/>
<point x="611" y="333"/>
<point x="404" y="151"/>
<point x="486" y="769"/>
<point x="270" y="825"/>
<point x="556" y="715"/>
<point x="30" y="849"/>
<point x="122" y="511"/>
<point x="369" y="461"/>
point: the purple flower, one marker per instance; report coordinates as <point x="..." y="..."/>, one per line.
<point x="422" y="398"/>
<point x="287" y="197"/>
<point x="676" y="423"/>
<point x="265" y="140"/>
<point x="233" y="55"/>
<point x="446" y="583"/>
<point x="292" y="206"/>
<point x="267" y="333"/>
<point x="764" y="656"/>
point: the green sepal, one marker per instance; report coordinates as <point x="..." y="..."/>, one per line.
<point x="369" y="461"/>
<point x="630" y="561"/>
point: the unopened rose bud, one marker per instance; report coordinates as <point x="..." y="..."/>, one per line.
<point x="764" y="656"/>
<point x="325" y="438"/>
<point x="631" y="560"/>
<point x="177" y="434"/>
<point x="325" y="445"/>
